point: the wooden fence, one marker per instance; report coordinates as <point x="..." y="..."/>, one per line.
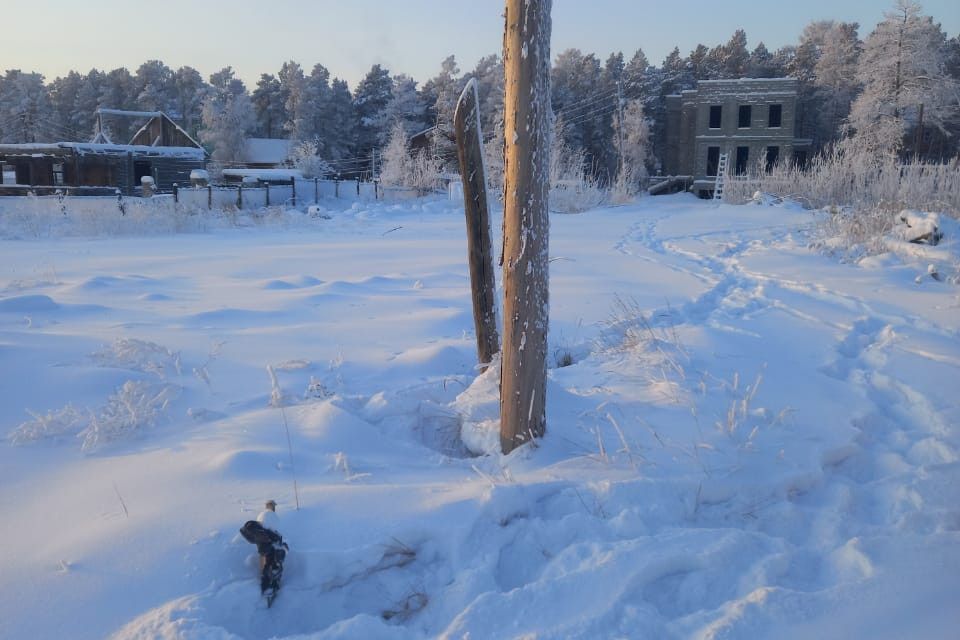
<point x="295" y="193"/>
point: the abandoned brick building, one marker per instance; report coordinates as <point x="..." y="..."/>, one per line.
<point x="751" y="120"/>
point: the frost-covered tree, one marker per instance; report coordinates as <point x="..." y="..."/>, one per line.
<point x="405" y="106"/>
<point x="189" y="92"/>
<point x="402" y="167"/>
<point x="118" y="92"/>
<point x="394" y="169"/>
<point x="635" y="133"/>
<point x="635" y="72"/>
<point x="835" y="78"/>
<point x="153" y="86"/>
<point x="25" y="111"/>
<point x="489" y="76"/>
<point x="902" y="70"/>
<point x="86" y="103"/>
<point x="306" y="158"/>
<point x="493" y="158"/>
<point x="228" y="118"/>
<point x="63" y="101"/>
<point x="442" y="92"/>
<point x="762" y="64"/>
<point x="292" y="87"/>
<point x="697" y="62"/>
<point x="585" y="105"/>
<point x="736" y="57"/>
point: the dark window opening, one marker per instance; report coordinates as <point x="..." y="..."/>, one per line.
<point x="140" y="168"/>
<point x="773" y="154"/>
<point x="713" y="160"/>
<point x="800" y="159"/>
<point x="776" y="116"/>
<point x="58" y="174"/>
<point x="743" y="155"/>
<point x="716" y="116"/>
<point x="743" y="120"/>
<point x="22" y="172"/>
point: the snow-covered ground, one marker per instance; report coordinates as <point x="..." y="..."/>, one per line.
<point x="753" y="440"/>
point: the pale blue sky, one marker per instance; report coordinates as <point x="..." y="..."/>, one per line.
<point x="410" y="36"/>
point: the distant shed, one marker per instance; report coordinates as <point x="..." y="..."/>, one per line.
<point x="266" y="153"/>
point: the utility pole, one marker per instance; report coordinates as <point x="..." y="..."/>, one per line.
<point x="526" y="224"/>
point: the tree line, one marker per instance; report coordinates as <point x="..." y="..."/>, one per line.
<point x="897" y="89"/>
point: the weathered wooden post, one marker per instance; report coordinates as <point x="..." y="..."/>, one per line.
<point x="466" y="123"/>
<point x="316" y="190"/>
<point x="240" y="196"/>
<point x="176" y="193"/>
<point x="293" y="191"/>
<point x="526" y="225"/>
<point x="266" y="186"/>
<point x="209" y="196"/>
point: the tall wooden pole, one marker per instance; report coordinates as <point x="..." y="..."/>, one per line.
<point x="466" y="124"/>
<point x="526" y="226"/>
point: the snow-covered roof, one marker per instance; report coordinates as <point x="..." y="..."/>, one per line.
<point x="743" y="80"/>
<point x="102" y="149"/>
<point x="264" y="174"/>
<point x="266" y="150"/>
<point x="131" y="114"/>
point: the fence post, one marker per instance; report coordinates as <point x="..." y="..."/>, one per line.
<point x="266" y="185"/>
<point x="240" y="196"/>
<point x="176" y="193"/>
<point x="316" y="190"/>
<point x="466" y="123"/>
<point x="209" y="196"/>
<point x="376" y="189"/>
<point x="336" y="187"/>
<point x="358" y="187"/>
<point x="293" y="190"/>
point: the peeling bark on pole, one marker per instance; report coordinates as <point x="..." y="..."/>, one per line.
<point x="466" y="122"/>
<point x="526" y="226"/>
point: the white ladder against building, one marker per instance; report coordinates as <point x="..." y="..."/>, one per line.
<point x="721" y="176"/>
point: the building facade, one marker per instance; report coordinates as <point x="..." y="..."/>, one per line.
<point x="751" y="120"/>
<point x="160" y="150"/>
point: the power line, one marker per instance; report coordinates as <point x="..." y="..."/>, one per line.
<point x="580" y="104"/>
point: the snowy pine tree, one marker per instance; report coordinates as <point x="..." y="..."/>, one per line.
<point x="269" y="107"/>
<point x="369" y="101"/>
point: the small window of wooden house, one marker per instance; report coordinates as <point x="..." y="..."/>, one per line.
<point x="58" y="174"/>
<point x="713" y="160"/>
<point x="743" y="121"/>
<point x="743" y="156"/>
<point x="773" y="154"/>
<point x="716" y="116"/>
<point x="141" y="168"/>
<point x="776" y="116"/>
